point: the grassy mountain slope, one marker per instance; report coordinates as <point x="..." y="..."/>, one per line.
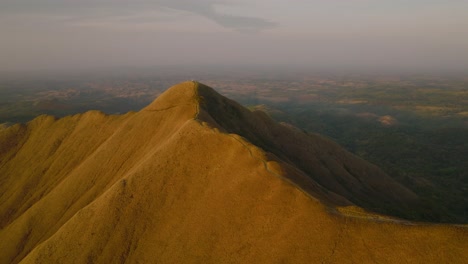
<point x="169" y="184"/>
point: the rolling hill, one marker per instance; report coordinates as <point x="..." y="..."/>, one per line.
<point x="196" y="178"/>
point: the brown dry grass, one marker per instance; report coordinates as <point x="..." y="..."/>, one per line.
<point x="164" y="185"/>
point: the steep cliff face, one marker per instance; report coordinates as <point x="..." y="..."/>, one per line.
<point x="195" y="177"/>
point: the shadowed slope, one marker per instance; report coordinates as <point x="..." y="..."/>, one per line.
<point x="323" y="160"/>
<point x="164" y="185"/>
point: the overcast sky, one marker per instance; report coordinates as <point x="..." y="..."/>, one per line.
<point x="359" y="34"/>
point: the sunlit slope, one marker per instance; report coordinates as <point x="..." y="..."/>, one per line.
<point x="167" y="185"/>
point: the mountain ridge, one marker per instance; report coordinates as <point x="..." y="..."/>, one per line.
<point x="167" y="184"/>
<point x="204" y="98"/>
<point x="260" y="128"/>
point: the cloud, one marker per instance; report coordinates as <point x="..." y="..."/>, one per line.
<point x="207" y="9"/>
<point x="108" y="8"/>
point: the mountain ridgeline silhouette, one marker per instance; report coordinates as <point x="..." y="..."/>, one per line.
<point x="196" y="178"/>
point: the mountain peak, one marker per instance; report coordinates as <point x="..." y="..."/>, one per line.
<point x="188" y="92"/>
<point x="180" y="94"/>
<point x="324" y="165"/>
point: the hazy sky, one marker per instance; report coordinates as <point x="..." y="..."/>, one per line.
<point x="355" y="34"/>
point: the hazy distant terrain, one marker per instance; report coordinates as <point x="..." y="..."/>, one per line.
<point x="414" y="127"/>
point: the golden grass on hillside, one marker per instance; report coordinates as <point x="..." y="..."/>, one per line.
<point x="169" y="185"/>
